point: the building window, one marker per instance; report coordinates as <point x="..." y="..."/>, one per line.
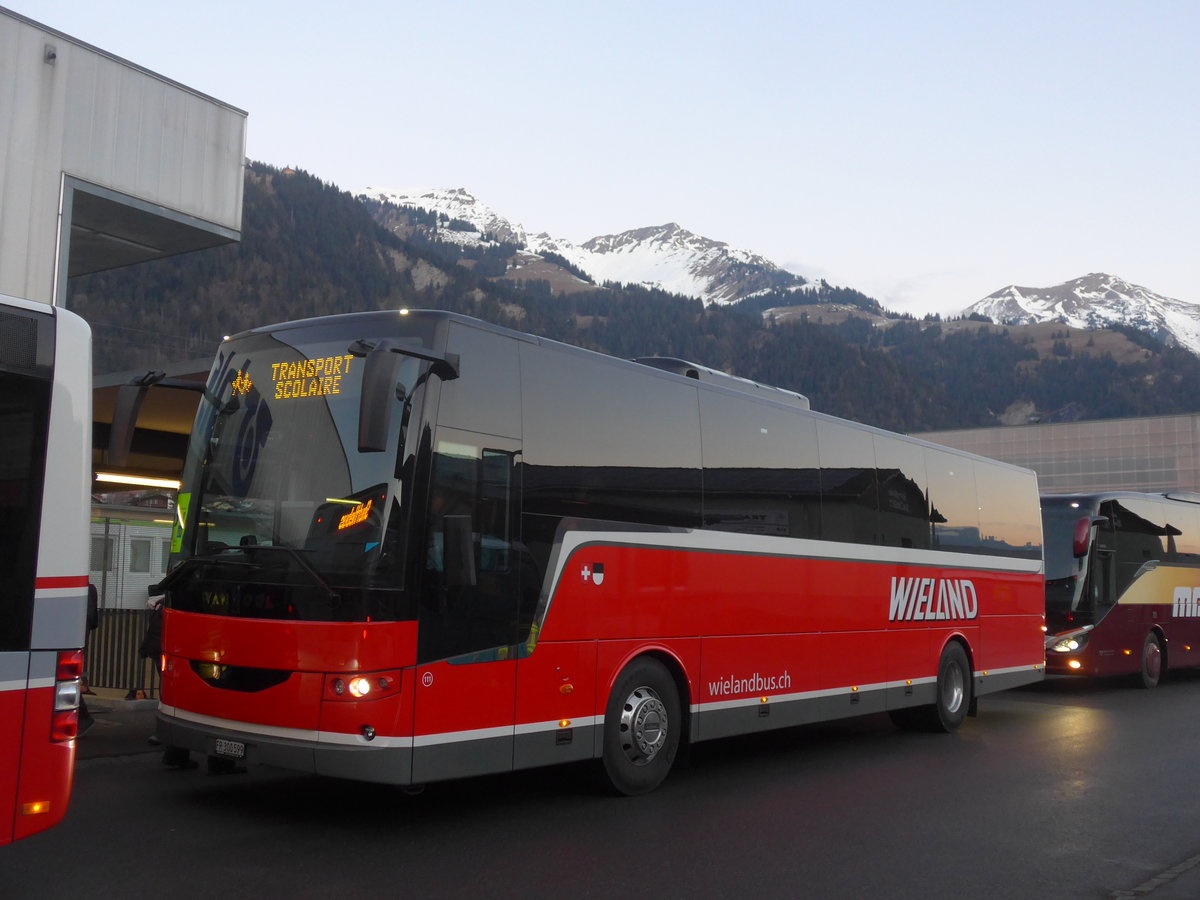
<point x="139" y="555"/>
<point x="102" y="554"/>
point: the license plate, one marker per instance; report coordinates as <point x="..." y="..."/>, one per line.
<point x="235" y="749"/>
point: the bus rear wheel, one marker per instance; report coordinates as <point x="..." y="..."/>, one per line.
<point x="1152" y="661"/>
<point x="642" y="726"/>
<point x="953" y="700"/>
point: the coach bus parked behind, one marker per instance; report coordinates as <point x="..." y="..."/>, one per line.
<point x="1122" y="583"/>
<point x="45" y="475"/>
<point x="414" y="546"/>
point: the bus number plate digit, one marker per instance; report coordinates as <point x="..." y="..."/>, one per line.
<point x="235" y="749"/>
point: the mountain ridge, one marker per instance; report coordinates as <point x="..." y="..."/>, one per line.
<point x="1096" y="300"/>
<point x="665" y="257"/>
<point x="671" y="258"/>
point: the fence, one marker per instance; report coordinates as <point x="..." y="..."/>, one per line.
<point x="112" y="659"/>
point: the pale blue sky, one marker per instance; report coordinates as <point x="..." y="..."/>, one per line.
<point x="926" y="152"/>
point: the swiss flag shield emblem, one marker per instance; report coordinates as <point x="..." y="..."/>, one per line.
<point x="593" y="572"/>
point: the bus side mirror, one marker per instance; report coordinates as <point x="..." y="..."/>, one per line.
<point x="380" y="373"/>
<point x="458" y="551"/>
<point x="1083" y="534"/>
<point x="125" y="416"/>
<point x="129" y="404"/>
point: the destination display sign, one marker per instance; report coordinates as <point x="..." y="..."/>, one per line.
<point x="356" y="516"/>
<point x="310" y="377"/>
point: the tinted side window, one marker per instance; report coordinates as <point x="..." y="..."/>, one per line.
<point x="761" y="474"/>
<point x="486" y="395"/>
<point x="1184" y="518"/>
<point x="903" y="493"/>
<point x="1009" y="524"/>
<point x="24" y="403"/>
<point x="478" y="590"/>
<point x="607" y="441"/>
<point x="954" y="504"/>
<point x="1141" y="536"/>
<point x="849" y="493"/>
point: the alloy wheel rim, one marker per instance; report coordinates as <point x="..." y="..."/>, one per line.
<point x="644" y="726"/>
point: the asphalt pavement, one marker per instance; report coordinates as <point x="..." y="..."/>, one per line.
<point x="125" y="728"/>
<point x="119" y="727"/>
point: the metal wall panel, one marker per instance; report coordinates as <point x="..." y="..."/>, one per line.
<point x="106" y="122"/>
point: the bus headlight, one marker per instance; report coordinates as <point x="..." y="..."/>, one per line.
<point x="370" y="686"/>
<point x="1067" y="643"/>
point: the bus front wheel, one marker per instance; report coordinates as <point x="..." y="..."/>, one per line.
<point x="1152" y="661"/>
<point x="642" y="726"/>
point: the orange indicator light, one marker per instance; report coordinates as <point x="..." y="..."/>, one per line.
<point x="762" y="699"/>
<point x="564" y="723"/>
<point x="1127" y="652"/>
<point x="854" y="690"/>
<point x="36" y="808"/>
<point x="566" y="688"/>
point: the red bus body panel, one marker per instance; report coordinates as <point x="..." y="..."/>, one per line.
<point x="306" y="650"/>
<point x="47" y="767"/>
<point x="734" y="627"/>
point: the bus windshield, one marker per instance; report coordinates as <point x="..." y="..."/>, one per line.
<point x="1058" y="523"/>
<point x="281" y="516"/>
<point x="1070" y="592"/>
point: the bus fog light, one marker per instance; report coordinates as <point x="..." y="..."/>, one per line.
<point x="1075" y="664"/>
<point x="368" y="732"/>
<point x="360" y="687"/>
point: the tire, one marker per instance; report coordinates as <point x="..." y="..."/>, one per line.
<point x="642" y="726"/>
<point x="953" y="701"/>
<point x="1152" y="662"/>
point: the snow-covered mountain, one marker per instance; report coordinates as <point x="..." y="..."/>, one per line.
<point x="1096" y="301"/>
<point x="665" y="256"/>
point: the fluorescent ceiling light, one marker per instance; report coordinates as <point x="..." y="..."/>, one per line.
<point x="139" y="480"/>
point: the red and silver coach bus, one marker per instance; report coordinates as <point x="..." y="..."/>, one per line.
<point x="1122" y="583"/>
<point x="45" y="475"/>
<point x="414" y="546"/>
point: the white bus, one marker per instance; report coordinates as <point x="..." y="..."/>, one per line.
<point x="45" y="474"/>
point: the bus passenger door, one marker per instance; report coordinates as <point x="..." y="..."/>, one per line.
<point x="467" y="619"/>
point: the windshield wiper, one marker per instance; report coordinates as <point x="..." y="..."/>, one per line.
<point x="252" y="549"/>
<point x="213" y="558"/>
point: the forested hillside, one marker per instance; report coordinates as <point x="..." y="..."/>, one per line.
<point x="310" y="249"/>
